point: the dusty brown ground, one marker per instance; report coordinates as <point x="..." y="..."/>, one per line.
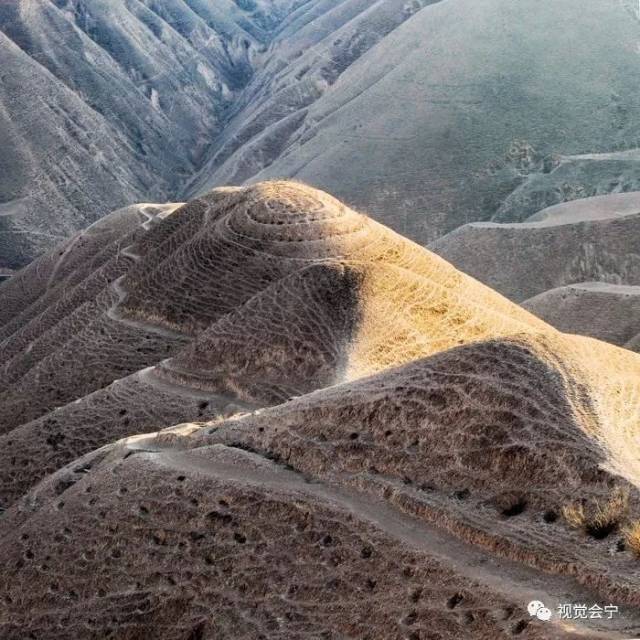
<point x="376" y="446"/>
<point x="261" y="293"/>
<point x="221" y="543"/>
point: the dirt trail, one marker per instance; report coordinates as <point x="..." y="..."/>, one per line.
<point x="149" y="216"/>
<point x="114" y="313"/>
<point x="147" y="377"/>
<point x="129" y="253"/>
<point x="512" y="581"/>
<point x="147" y="212"/>
<point x="63" y="256"/>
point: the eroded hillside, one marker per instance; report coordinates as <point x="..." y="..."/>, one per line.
<point x="575" y="265"/>
<point x="156" y="101"/>
<point x="259" y="293"/>
<point x="334" y="426"/>
<point x="107" y="103"/>
<point x="445" y="112"/>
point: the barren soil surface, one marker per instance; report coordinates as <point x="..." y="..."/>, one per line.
<point x="340" y="435"/>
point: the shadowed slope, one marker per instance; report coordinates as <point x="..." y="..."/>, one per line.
<point x="240" y="241"/>
<point x="334" y="322"/>
<point x="209" y="257"/>
<point x="321" y="321"/>
<point x="591" y="240"/>
<point x="138" y="403"/>
<point x="221" y="543"/>
<point x="68" y="328"/>
<point x="609" y="312"/>
<point x="438" y="496"/>
<point x="32" y="289"/>
<point x="339" y="499"/>
<point x="327" y="323"/>
<point x="449" y="439"/>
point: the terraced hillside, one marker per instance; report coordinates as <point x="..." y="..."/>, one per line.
<point x="352" y="421"/>
<point x="219" y="285"/>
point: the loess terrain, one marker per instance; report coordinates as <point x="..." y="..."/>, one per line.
<point x="254" y="412"/>
<point x="575" y="265"/>
<point x="104" y="103"/>
<point x="259" y="294"/>
<point x="262" y="414"/>
<point x="107" y="103"/>
<point x="444" y="112"/>
<point x="605" y="311"/>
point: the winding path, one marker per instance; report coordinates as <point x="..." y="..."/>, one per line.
<point x="512" y="581"/>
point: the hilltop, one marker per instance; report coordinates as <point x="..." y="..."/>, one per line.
<point x="269" y="400"/>
<point x="258" y="293"/>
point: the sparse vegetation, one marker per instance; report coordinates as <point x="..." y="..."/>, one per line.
<point x="497" y="429"/>
<point x="632" y="537"/>
<point x="601" y="517"/>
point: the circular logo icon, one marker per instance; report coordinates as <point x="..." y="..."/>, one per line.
<point x="537" y="609"/>
<point x="544" y="614"/>
<point x="534" y="606"/>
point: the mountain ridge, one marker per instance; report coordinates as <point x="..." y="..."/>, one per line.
<point x="262" y="391"/>
<point x="213" y="95"/>
<point x="124" y="110"/>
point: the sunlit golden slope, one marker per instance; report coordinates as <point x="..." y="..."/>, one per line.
<point x="260" y="293"/>
<point x="430" y="430"/>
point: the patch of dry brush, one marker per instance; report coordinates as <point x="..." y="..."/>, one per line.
<point x="632" y="537"/>
<point x="601" y="517"/>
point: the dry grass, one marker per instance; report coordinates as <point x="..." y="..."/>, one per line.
<point x="574" y="515"/>
<point x="632" y="537"/>
<point x="601" y="518"/>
